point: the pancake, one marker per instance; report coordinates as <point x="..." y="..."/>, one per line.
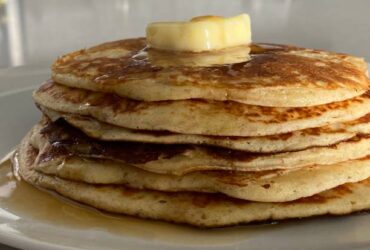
<point x="266" y="186"/>
<point x="202" y="210"/>
<point x="293" y="141"/>
<point x="59" y="138"/>
<point x="276" y="75"/>
<point x="197" y="116"/>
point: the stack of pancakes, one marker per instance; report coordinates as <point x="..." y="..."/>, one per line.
<point x="284" y="135"/>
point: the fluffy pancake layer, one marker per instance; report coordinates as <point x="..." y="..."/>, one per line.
<point x="276" y="76"/>
<point x="197" y="116"/>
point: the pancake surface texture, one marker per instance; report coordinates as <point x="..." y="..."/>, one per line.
<point x="203" y="210"/>
<point x="277" y="75"/>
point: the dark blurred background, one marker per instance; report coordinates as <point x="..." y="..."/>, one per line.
<point x="36" y="31"/>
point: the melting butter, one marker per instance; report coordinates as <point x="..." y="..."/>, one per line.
<point x="204" y="33"/>
<point x="160" y="58"/>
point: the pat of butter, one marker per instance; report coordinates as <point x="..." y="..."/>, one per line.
<point x="203" y="33"/>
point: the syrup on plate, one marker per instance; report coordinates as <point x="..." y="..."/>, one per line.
<point x="19" y="201"/>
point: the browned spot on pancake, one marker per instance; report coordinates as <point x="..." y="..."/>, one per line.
<point x="52" y="152"/>
<point x="358" y="137"/>
<point x="203" y="200"/>
<point x="311" y="199"/>
<point x="366" y="182"/>
<point x="336" y="193"/>
<point x="354" y="139"/>
<point x="230" y="154"/>
<point x="46" y="87"/>
<point x="239" y="178"/>
<point x="266" y="186"/>
<point x="126" y="191"/>
<point x="315" y="131"/>
<point x="343" y="189"/>
<point x="364" y="158"/>
<point x="32" y="153"/>
<point x="363" y="119"/>
<point x="283" y="137"/>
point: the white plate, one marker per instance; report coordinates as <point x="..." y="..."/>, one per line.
<point x="18" y="114"/>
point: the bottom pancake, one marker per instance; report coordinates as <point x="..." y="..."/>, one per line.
<point x="203" y="210"/>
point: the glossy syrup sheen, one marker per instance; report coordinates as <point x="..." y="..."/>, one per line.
<point x="21" y="202"/>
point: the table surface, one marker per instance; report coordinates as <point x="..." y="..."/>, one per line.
<point x="36" y="32"/>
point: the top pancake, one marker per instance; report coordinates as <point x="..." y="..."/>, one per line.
<point x="276" y="75"/>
